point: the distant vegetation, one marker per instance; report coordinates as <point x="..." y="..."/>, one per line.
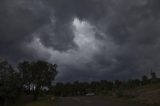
<point x="102" y="87"/>
<point x="30" y="80"/>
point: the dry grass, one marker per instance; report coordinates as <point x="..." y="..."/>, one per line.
<point x="148" y="94"/>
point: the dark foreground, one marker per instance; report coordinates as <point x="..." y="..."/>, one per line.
<point x="90" y="101"/>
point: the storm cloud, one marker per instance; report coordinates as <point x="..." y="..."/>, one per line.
<point x="88" y="39"/>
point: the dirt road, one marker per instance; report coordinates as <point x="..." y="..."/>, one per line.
<point x="89" y="101"/>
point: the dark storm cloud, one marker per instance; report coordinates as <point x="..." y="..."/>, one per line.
<point x="19" y="20"/>
<point x="89" y="39"/>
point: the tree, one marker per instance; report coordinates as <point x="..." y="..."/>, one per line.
<point x="38" y="74"/>
<point x="10" y="83"/>
<point x="153" y="75"/>
<point x="118" y="83"/>
<point x="26" y="75"/>
<point x="145" y="80"/>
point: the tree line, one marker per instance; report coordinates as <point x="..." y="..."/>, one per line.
<point x="27" y="78"/>
<point x="102" y="87"/>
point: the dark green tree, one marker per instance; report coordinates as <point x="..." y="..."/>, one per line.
<point x="26" y="75"/>
<point x="153" y="75"/>
<point x="10" y="83"/>
<point x="145" y="80"/>
<point x="118" y="83"/>
<point x="39" y="74"/>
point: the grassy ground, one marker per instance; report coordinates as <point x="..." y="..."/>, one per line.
<point x="148" y="95"/>
<point x="43" y="101"/>
<point x="39" y="103"/>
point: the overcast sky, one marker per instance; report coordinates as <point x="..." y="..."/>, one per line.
<point x="88" y="39"/>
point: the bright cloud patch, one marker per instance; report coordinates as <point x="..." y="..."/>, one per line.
<point x="85" y="36"/>
<point x="79" y="58"/>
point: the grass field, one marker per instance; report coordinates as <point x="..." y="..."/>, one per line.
<point x="147" y="94"/>
<point x="40" y="103"/>
<point x="43" y="101"/>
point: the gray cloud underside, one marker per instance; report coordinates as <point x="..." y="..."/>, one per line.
<point x="88" y="39"/>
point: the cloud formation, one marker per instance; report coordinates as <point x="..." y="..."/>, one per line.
<point x="88" y="39"/>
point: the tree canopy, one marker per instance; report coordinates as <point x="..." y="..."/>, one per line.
<point x="28" y="76"/>
<point x="37" y="74"/>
